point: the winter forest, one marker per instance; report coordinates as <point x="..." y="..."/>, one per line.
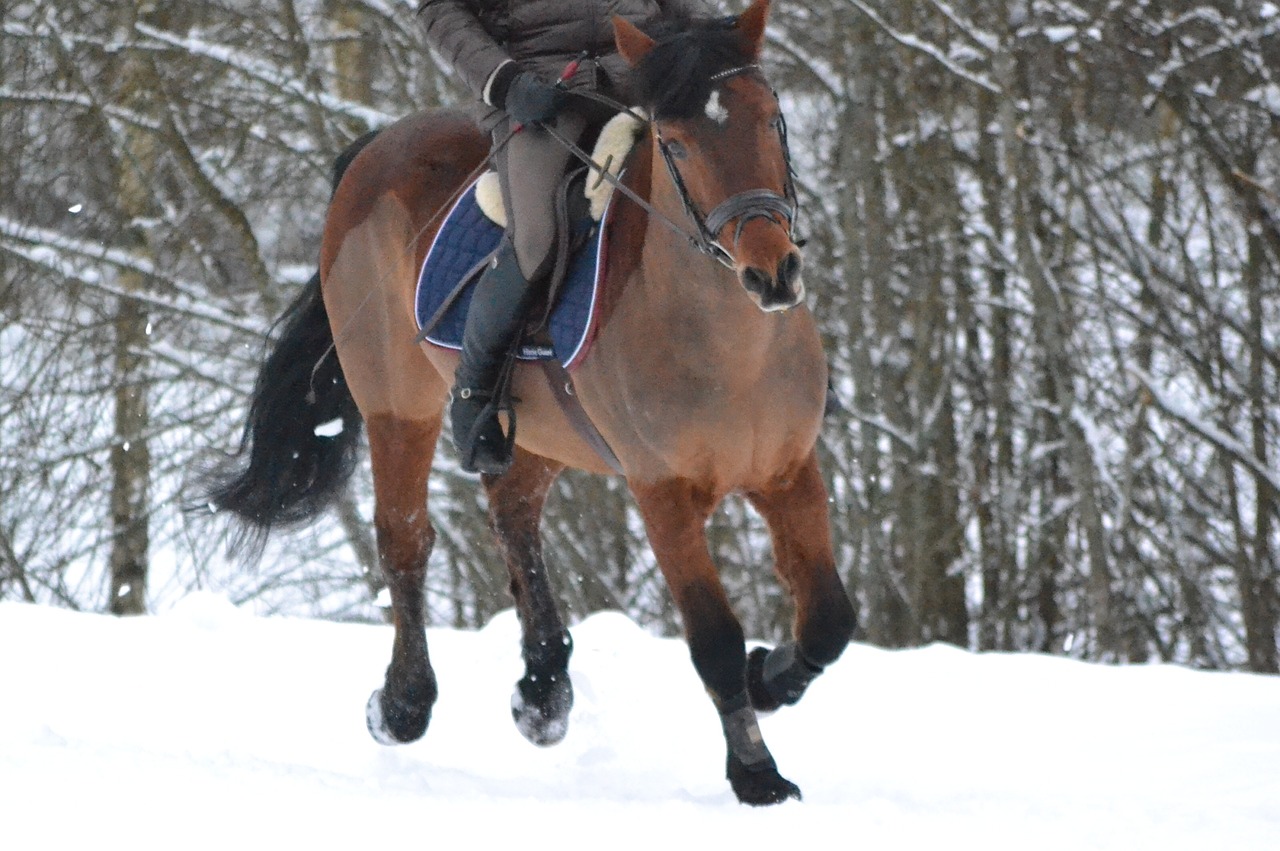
<point x="1043" y="247"/>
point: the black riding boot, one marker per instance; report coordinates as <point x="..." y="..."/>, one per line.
<point x="497" y="313"/>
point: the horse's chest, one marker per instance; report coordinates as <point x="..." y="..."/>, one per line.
<point x="698" y="395"/>
<point x="726" y="424"/>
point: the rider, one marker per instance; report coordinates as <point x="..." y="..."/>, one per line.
<point x="513" y="55"/>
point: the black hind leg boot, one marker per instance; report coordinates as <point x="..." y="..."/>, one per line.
<point x="494" y="320"/>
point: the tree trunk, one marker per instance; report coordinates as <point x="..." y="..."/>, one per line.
<point x="864" y="224"/>
<point x="130" y="459"/>
<point x="1258" y="596"/>
<point x="130" y="448"/>
<point x="993" y="441"/>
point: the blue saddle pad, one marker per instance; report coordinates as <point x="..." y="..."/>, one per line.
<point x="464" y="240"/>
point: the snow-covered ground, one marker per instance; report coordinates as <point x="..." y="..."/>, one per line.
<point x="207" y="727"/>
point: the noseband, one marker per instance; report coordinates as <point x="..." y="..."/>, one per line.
<point x="744" y="206"/>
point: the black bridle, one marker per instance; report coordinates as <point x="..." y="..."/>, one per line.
<point x="743" y="206"/>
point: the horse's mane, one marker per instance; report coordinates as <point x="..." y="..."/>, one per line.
<point x="674" y="80"/>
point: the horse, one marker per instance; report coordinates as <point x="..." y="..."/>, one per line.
<point x="707" y="377"/>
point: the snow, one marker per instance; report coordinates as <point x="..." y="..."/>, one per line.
<point x="332" y="428"/>
<point x="1266" y="96"/>
<point x="207" y="726"/>
<point x="1059" y="34"/>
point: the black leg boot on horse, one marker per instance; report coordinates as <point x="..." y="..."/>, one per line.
<point x="495" y="319"/>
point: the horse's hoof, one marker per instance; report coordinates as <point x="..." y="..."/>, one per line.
<point x="392" y="722"/>
<point x="760" y="785"/>
<point x="540" y="707"/>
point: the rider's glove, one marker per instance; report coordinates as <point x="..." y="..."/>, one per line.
<point x="524" y="95"/>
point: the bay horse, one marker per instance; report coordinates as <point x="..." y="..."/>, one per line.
<point x="707" y="377"/>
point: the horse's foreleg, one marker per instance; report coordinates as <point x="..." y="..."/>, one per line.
<point x="401" y="451"/>
<point x="675" y="514"/>
<point x="796" y="512"/>
<point x="544" y="695"/>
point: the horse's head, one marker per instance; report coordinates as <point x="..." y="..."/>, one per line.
<point x="718" y="127"/>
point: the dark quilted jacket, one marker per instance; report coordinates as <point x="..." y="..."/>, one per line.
<point x="477" y="36"/>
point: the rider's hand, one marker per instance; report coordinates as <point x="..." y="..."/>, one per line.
<point x="530" y="99"/>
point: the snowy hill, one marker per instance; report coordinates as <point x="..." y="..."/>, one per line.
<point x="207" y="727"/>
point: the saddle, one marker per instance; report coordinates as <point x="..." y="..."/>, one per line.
<point x="561" y="324"/>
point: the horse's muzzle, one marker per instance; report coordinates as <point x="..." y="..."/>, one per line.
<point x="776" y="289"/>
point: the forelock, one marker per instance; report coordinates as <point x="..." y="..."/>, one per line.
<point x="675" y="80"/>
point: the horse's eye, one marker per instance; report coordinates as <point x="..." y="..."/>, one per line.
<point x="677" y="150"/>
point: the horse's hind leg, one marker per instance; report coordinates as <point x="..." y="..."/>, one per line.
<point x="675" y="514"/>
<point x="796" y="512"/>
<point x="401" y="451"/>
<point x="544" y="695"/>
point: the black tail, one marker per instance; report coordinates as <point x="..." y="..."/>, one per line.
<point x="303" y="428"/>
<point x="303" y="432"/>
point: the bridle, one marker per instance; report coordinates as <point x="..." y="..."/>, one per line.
<point x="743" y="206"/>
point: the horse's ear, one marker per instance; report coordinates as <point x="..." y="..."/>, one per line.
<point x="633" y="44"/>
<point x="751" y="25"/>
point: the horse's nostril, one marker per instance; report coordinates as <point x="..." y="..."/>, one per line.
<point x="780" y="293"/>
<point x="756" y="280"/>
<point x="789" y="269"/>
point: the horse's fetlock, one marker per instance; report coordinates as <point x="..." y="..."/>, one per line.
<point x="392" y="720"/>
<point x="742" y="732"/>
<point x="779" y="677"/>
<point x="548" y="655"/>
<point x="788" y="673"/>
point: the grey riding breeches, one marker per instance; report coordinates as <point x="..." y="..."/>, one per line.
<point x="530" y="167"/>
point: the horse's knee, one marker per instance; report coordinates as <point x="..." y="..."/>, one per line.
<point x="716" y="642"/>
